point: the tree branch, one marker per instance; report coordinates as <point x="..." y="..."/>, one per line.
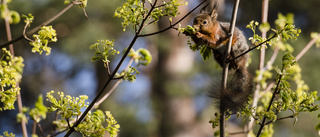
<point x="269" y="107"/>
<point x="240" y="132"/>
<point x="34" y="127"/>
<point x="307" y="47"/>
<point x="265" y="6"/>
<point x="264" y="42"/>
<point x="281" y="118"/>
<point x="40" y="128"/>
<point x="172" y="25"/>
<point x="226" y="66"/>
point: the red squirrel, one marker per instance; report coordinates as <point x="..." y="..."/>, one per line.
<point x="214" y="34"/>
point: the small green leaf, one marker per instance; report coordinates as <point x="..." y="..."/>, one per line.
<point x="103" y="49"/>
<point x="146" y="57"/>
<point x="40" y="111"/>
<point x="264" y="27"/>
<point x="15" y="17"/>
<point x="97" y="53"/>
<point x="317" y="127"/>
<point x="205" y="51"/>
<point x="189" y="30"/>
<point x="287" y="60"/>
<point x="216" y="133"/>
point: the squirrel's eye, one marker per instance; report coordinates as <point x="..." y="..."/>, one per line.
<point x="204" y="22"/>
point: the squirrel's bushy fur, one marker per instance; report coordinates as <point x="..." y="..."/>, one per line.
<point x="214" y="34"/>
<point x="239" y="89"/>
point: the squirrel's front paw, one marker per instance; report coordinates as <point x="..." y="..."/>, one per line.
<point x="199" y="35"/>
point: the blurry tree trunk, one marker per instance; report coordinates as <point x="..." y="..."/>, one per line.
<point x="175" y="115"/>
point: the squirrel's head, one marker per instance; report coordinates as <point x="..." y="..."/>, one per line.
<point x="206" y="21"/>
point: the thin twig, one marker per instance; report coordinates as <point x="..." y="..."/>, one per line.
<point x="41" y="130"/>
<point x="265" y="6"/>
<point x="160" y="5"/>
<point x="269" y="107"/>
<point x="269" y="87"/>
<point x="108" y="68"/>
<point x="267" y="40"/>
<point x="264" y="19"/>
<point x="85" y="14"/>
<point x="240" y="132"/>
<point x="153" y="21"/>
<point x="53" y="18"/>
<point x="24" y="32"/>
<point x="281" y="118"/>
<point x="307" y="47"/>
<point x="226" y="66"/>
<point x="34" y="127"/>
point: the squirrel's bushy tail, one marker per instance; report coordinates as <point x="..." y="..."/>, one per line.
<point x="237" y="93"/>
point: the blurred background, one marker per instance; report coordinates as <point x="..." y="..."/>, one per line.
<point x="169" y="97"/>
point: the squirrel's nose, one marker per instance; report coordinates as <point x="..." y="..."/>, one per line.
<point x="195" y="27"/>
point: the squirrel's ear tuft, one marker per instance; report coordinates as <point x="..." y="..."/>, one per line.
<point x="213" y="12"/>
